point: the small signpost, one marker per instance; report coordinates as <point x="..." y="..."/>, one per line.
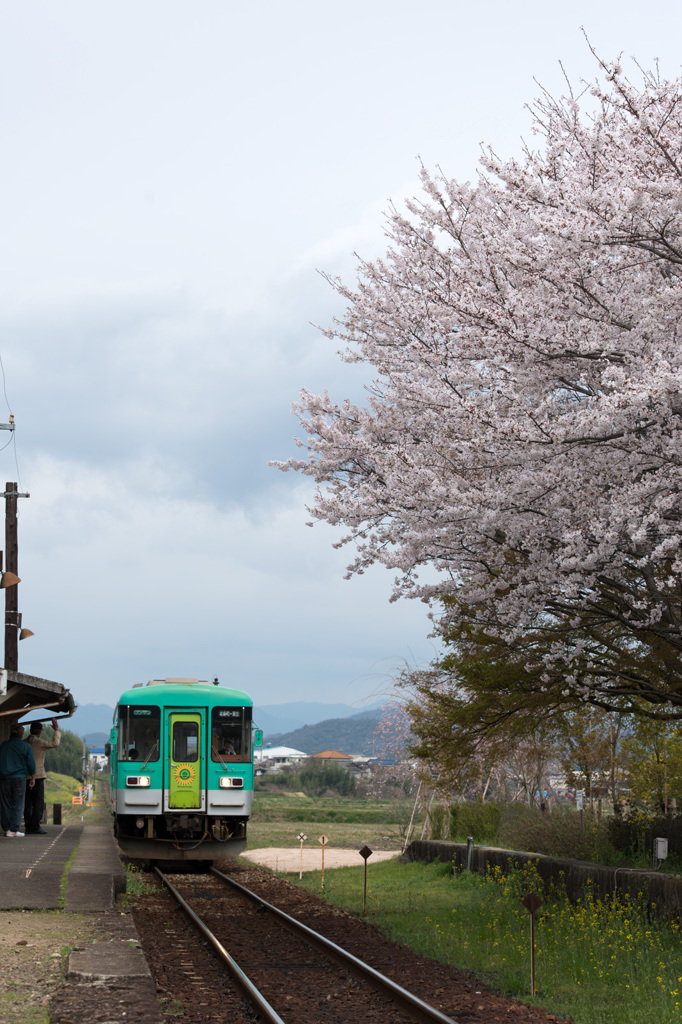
<point x="301" y="838"/>
<point x="323" y="842"/>
<point x="579" y="806"/>
<point x="365" y="852"/>
<point x="531" y="902"/>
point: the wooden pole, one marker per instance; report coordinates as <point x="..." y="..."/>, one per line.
<point x="364" y="893"/>
<point x="11" y="593"/>
<point x="532" y="902"/>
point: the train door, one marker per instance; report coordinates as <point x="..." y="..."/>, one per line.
<point x="185" y="731"/>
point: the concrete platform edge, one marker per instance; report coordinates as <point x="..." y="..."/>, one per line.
<point x="109" y="979"/>
<point x="97" y="876"/>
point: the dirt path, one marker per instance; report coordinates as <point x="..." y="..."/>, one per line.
<point x="280" y="858"/>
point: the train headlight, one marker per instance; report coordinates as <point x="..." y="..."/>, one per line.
<point x="139" y="822"/>
<point x="138" y="780"/>
<point x="228" y="781"/>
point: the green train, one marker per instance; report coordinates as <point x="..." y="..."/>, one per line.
<point x="181" y="764"/>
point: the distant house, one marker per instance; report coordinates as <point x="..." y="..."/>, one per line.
<point x="333" y="757"/>
<point x="275" y="758"/>
<point x="98" y="759"/>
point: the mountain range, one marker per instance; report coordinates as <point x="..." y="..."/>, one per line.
<point x="354" y="734"/>
<point x="280" y="722"/>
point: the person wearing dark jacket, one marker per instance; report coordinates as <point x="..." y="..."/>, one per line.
<point x="16" y="764"/>
<point x="35" y="788"/>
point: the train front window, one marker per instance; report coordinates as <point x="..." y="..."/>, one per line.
<point x="231" y="734"/>
<point x="139" y="733"/>
<point x="185" y="741"/>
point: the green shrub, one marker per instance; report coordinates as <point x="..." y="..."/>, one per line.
<point x="313" y="780"/>
<point x="558" y="834"/>
<point x="317" y="779"/>
<point x="438" y="822"/>
<point x="517" y="826"/>
<point x="476" y="819"/>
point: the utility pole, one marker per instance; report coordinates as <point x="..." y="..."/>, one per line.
<point x="12" y="614"/>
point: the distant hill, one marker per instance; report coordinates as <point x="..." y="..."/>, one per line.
<point x="306" y="725"/>
<point x="96" y="739"/>
<point x="278" y="719"/>
<point x="90" y="719"/>
<point x="353" y="735"/>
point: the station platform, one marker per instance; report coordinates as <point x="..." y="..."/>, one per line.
<point x="32" y="870"/>
<point x="76" y="869"/>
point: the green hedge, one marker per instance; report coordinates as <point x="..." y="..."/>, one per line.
<point x="482" y="821"/>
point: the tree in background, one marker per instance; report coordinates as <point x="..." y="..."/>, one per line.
<point x="67" y="758"/>
<point x="482" y="719"/>
<point x="591" y="755"/>
<point x="392" y="736"/>
<point x="508" y="761"/>
<point x="653" y="763"/>
<point x="523" y="432"/>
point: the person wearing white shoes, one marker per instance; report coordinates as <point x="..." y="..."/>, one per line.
<point x="17" y="763"/>
<point x="34" y="804"/>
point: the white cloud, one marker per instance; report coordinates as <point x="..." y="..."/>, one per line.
<point x="128" y="576"/>
<point x="172" y="181"/>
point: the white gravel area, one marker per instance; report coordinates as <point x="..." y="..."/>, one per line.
<point x="280" y="858"/>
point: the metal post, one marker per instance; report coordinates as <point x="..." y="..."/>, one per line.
<point x="365" y="852"/>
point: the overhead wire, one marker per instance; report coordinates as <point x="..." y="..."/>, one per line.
<point x="13" y="438"/>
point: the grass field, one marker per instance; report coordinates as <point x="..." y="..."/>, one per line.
<point x="59" y="789"/>
<point x="278" y="818"/>
<point x="597" y="962"/>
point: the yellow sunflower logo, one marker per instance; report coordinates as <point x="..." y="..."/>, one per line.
<point x="184" y="774"/>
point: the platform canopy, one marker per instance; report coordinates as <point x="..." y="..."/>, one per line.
<point x="41" y="699"/>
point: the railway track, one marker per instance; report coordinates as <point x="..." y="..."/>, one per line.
<point x="287" y="971"/>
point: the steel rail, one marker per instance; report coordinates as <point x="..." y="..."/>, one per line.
<point x="247" y="985"/>
<point x="410" y="1004"/>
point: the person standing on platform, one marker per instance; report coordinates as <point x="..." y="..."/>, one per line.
<point x="35" y="790"/>
<point x="17" y="763"/>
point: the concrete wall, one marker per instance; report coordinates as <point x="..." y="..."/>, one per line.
<point x="664" y="891"/>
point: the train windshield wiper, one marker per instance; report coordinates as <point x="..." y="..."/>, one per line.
<point x="150" y="755"/>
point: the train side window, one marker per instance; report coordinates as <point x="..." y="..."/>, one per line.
<point x="185" y="741"/>
<point x="139" y="732"/>
<point x="231" y="734"/>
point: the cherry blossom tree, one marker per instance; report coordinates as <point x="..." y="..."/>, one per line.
<point x="522" y="433"/>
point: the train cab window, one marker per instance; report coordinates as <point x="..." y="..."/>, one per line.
<point x="185" y="741"/>
<point x="231" y="734"/>
<point x="139" y="731"/>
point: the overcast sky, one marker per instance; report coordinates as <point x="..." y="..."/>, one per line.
<point x="174" y="176"/>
